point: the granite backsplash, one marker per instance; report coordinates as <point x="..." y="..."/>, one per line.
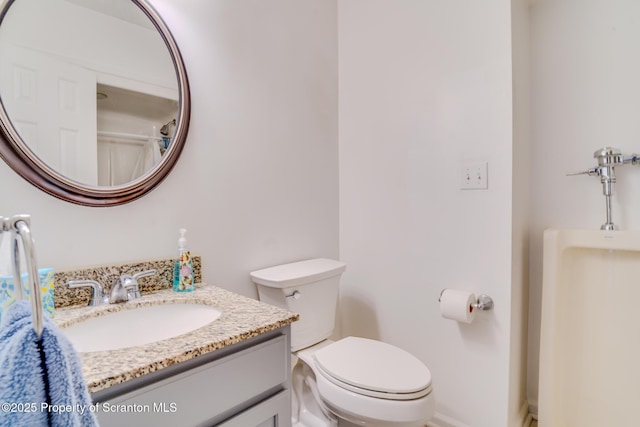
<point x="107" y="274"/>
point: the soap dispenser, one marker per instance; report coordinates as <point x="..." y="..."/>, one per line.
<point x="183" y="268"/>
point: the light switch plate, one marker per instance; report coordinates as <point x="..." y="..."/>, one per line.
<point x="473" y="175"/>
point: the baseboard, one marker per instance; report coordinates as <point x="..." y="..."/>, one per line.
<point x="524" y="416"/>
<point x="528" y="421"/>
<point x="440" y="420"/>
<point x="533" y="409"/>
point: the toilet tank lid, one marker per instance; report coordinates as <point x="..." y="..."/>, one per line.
<point x="298" y="273"/>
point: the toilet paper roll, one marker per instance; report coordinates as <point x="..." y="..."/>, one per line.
<point x="457" y="305"/>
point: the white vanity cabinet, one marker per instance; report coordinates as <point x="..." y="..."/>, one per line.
<point x="243" y="385"/>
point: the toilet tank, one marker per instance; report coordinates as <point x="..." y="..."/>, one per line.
<point x="309" y="288"/>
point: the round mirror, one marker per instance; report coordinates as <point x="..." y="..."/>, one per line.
<point x="94" y="97"/>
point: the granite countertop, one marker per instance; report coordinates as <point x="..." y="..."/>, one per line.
<point x="242" y="318"/>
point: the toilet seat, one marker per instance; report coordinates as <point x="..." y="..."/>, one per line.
<point x="373" y="368"/>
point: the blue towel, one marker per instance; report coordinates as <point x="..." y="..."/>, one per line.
<point x="26" y="389"/>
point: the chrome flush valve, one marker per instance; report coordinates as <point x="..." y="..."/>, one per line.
<point x="608" y="158"/>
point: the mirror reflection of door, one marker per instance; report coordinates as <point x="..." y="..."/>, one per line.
<point x="53" y="109"/>
<point x="89" y="85"/>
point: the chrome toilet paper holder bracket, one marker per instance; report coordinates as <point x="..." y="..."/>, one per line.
<point x="483" y="302"/>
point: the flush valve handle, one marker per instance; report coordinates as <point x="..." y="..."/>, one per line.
<point x="590" y="172"/>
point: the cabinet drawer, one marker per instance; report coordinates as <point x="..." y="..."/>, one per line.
<point x="200" y="395"/>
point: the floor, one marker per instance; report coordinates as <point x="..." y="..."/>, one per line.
<point x="533" y="423"/>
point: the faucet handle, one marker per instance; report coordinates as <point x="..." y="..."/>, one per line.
<point x="97" y="295"/>
<point x="130" y="282"/>
<point x="145" y="273"/>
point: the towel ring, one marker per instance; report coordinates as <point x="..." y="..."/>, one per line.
<point x="18" y="225"/>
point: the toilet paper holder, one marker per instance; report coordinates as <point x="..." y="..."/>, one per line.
<point x="483" y="302"/>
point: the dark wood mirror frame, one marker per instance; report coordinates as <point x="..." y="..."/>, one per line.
<point x="22" y="160"/>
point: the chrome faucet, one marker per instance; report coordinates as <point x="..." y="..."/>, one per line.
<point x="608" y="158"/>
<point x="126" y="287"/>
<point x="123" y="289"/>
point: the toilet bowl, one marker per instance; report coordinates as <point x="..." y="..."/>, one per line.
<point x="372" y="383"/>
<point x="357" y="380"/>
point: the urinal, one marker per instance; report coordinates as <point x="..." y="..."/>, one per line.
<point x="590" y="338"/>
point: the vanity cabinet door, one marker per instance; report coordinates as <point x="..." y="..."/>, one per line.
<point x="273" y="412"/>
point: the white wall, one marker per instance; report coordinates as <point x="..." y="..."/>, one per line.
<point x="257" y="183"/>
<point x="424" y="86"/>
<point x="585" y="94"/>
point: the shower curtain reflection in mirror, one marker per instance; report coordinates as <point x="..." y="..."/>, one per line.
<point x="124" y="158"/>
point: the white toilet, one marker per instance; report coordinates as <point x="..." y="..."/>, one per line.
<point x="355" y="380"/>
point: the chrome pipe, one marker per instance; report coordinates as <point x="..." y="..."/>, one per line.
<point x="609" y="225"/>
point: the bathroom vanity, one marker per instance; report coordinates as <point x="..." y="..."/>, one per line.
<point x="234" y="371"/>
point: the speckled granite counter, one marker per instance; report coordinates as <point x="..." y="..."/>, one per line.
<point x="242" y="318"/>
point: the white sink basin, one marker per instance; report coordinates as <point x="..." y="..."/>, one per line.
<point x="139" y="326"/>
